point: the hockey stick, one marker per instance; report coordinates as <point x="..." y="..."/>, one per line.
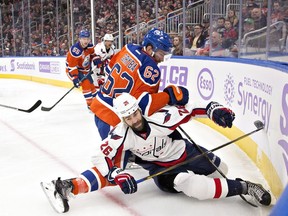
<point x="50" y="108"/>
<point x="259" y="126"/>
<point x="212" y="163"/>
<point x="31" y="109"/>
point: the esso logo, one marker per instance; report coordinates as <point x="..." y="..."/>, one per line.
<point x="205" y="84"/>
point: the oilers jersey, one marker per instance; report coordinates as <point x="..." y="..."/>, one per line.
<point x="79" y="59"/>
<point x="133" y="71"/>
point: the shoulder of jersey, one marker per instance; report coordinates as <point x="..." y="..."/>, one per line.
<point x="99" y="47"/>
<point x="90" y="45"/>
<point x="144" y="58"/>
<point x="76" y="50"/>
<point x="118" y="132"/>
<point x="170" y="115"/>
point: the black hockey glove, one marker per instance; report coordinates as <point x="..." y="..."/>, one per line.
<point x="220" y="115"/>
<point x="76" y="81"/>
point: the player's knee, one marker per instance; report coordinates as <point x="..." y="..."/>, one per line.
<point x="199" y="186"/>
<point x="166" y="183"/>
<point x="223" y="168"/>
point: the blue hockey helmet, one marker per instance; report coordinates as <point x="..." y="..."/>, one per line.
<point x="84" y="33"/>
<point x="158" y="39"/>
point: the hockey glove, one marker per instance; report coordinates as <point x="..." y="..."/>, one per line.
<point x="76" y="81"/>
<point x="100" y="80"/>
<point x="178" y="95"/>
<point x="126" y="182"/>
<point x="220" y="115"/>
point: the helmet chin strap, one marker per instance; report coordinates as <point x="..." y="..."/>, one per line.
<point x="152" y="54"/>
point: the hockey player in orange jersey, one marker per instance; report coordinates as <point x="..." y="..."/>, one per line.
<point x="134" y="70"/>
<point x="78" y="65"/>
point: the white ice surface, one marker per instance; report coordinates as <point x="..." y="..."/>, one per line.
<point x="40" y="146"/>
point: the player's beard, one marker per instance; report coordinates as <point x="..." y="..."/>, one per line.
<point x="139" y="125"/>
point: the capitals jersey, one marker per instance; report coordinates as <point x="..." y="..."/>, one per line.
<point x="158" y="145"/>
<point x="133" y="71"/>
<point x="103" y="55"/>
<point x="79" y="59"/>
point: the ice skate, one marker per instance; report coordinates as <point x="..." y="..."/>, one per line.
<point x="58" y="193"/>
<point x="131" y="163"/>
<point x="257" y="192"/>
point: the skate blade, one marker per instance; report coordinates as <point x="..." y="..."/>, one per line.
<point x="250" y="200"/>
<point x="58" y="204"/>
<point x="132" y="165"/>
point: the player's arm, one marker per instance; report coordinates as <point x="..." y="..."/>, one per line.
<point x="111" y="151"/>
<point x="101" y="58"/>
<point x="151" y="103"/>
<point x="72" y="62"/>
<point x="219" y="114"/>
<point x="149" y="74"/>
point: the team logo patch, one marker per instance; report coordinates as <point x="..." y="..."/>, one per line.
<point x="167" y="115"/>
<point x="113" y="135"/>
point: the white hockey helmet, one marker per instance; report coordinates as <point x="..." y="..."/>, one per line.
<point x="108" y="37"/>
<point x="125" y="105"/>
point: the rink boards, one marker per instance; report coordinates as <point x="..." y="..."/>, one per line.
<point x="254" y="90"/>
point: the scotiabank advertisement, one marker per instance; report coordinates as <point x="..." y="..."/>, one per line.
<point x="44" y="67"/>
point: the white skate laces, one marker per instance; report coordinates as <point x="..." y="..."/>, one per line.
<point x="259" y="193"/>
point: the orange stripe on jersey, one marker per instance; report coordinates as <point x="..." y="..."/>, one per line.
<point x="103" y="180"/>
<point x="80" y="186"/>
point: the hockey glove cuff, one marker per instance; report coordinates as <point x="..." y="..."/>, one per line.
<point x="220" y="115"/>
<point x="125" y="181"/>
<point x="178" y="95"/>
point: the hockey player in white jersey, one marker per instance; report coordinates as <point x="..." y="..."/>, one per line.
<point x="104" y="51"/>
<point x="158" y="145"/>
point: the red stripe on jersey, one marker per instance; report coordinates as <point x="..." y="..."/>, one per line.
<point x="218" y="188"/>
<point x="185" y="120"/>
<point x="195" y="112"/>
<point x="118" y="157"/>
<point x="198" y="111"/>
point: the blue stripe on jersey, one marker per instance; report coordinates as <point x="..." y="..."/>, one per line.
<point x="92" y="179"/>
<point x="144" y="103"/>
<point x="108" y="100"/>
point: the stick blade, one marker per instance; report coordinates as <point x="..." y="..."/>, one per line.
<point x="259" y="124"/>
<point x="46" y="108"/>
<point x="31" y="109"/>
